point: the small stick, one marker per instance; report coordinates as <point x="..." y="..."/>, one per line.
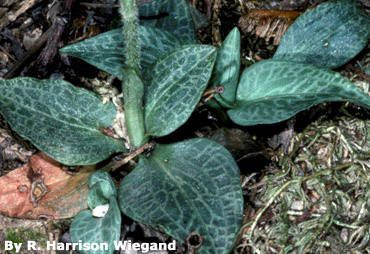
<point x="97" y="5"/>
<point x="117" y="164"/>
<point x="7" y="54"/>
<point x="12" y="16"/>
<point x="31" y="52"/>
<point x="216" y="22"/>
<point x="210" y="93"/>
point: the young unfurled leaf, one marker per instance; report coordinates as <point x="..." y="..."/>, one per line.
<point x="177" y="86"/>
<point x="328" y="36"/>
<point x="101" y="189"/>
<point x="63" y="121"/>
<point x="187" y="187"/>
<point x="227" y="66"/>
<point x="106" y="229"/>
<point x="177" y="17"/>
<point x="271" y="91"/>
<point x="106" y="50"/>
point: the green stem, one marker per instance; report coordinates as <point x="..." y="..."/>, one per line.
<point x="133" y="92"/>
<point x="132" y="85"/>
<point x="130" y="21"/>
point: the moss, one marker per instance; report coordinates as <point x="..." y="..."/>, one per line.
<point x="314" y="199"/>
<point x="22" y="235"/>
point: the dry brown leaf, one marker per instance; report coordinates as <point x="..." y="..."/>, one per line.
<point x="42" y="189"/>
<point x="267" y="23"/>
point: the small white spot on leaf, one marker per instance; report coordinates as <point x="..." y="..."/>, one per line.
<point x="100" y="211"/>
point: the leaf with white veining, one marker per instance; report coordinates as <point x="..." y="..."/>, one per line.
<point x="187" y="187"/>
<point x="329" y="35"/>
<point x="272" y="91"/>
<point x="177" y="17"/>
<point x="106" y="51"/>
<point x="63" y="121"/>
<point x="177" y="86"/>
<point x="101" y="189"/>
<point x="89" y="229"/>
<point x="227" y="66"/>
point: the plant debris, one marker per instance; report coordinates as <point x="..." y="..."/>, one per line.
<point x="319" y="201"/>
<point x="267" y="23"/>
<point x="42" y="189"/>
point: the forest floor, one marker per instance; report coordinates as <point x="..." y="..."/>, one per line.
<point x="305" y="181"/>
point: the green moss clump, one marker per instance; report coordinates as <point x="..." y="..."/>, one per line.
<point x="22" y="235"/>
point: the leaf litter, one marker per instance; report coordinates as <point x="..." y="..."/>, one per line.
<point x="42" y="189"/>
<point x="319" y="201"/>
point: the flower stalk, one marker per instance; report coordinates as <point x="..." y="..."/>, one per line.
<point x="132" y="85"/>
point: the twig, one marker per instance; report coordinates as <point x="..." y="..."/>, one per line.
<point x="271" y="200"/>
<point x="51" y="48"/>
<point x="7" y="54"/>
<point x="117" y="164"/>
<point x="251" y="155"/>
<point x="97" y="5"/>
<point x="216" y="34"/>
<point x="11" y="16"/>
<point x="60" y="21"/>
<point x="57" y="25"/>
<point x="31" y="52"/>
<point x="209" y="94"/>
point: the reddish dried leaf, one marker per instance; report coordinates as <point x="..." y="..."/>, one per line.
<point x="65" y="196"/>
<point x="267" y="23"/>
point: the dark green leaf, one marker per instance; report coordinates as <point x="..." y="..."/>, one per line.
<point x="177" y="17"/>
<point x="226" y="71"/>
<point x="191" y="186"/>
<point x="106" y="51"/>
<point x="328" y="36"/>
<point x="63" y="121"/>
<point x="90" y="229"/>
<point x="271" y="91"/>
<point x="101" y="189"/>
<point x="177" y="86"/>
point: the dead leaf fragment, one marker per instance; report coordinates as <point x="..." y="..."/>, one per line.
<point x="42" y="189"/>
<point x="267" y="23"/>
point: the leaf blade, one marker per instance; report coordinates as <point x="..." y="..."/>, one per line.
<point x="272" y="91"/>
<point x="178" y="17"/>
<point x="107" y="229"/>
<point x="196" y="182"/>
<point x="226" y="71"/>
<point x="59" y="119"/>
<point x="106" y="51"/>
<point x="177" y="86"/>
<point x="328" y="36"/>
<point x="90" y="229"/>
